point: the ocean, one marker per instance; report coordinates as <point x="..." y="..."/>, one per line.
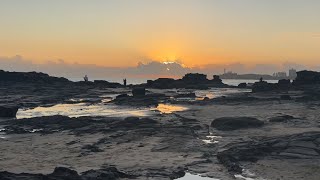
<point x="232" y="82"/>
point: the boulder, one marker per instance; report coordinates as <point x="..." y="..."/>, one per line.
<point x="263" y="86"/>
<point x="242" y="85"/>
<point x="65" y="173"/>
<point x="8" y="111"/>
<point x="195" y="78"/>
<point x="216" y="79"/>
<point x="138" y="92"/>
<point x="307" y="78"/>
<point x="233" y="123"/>
<point x="284" y="83"/>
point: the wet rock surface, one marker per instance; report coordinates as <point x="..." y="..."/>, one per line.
<point x="63" y="173"/>
<point x="162" y="146"/>
<point x="283" y="118"/>
<point x="8" y="111"/>
<point x="140" y="100"/>
<point x="297" y="146"/>
<point x="233" y="123"/>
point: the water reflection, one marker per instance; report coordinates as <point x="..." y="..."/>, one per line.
<point x="189" y="176"/>
<point x="100" y="109"/>
<point x="212" y="139"/>
<point x="219" y="92"/>
<point x="83" y="109"/>
<point x="167" y="108"/>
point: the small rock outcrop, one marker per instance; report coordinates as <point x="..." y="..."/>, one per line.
<point x="8" y="111"/>
<point x="242" y="85"/>
<point x="195" y="78"/>
<point x="263" y="86"/>
<point x="296" y="146"/>
<point x="138" y="92"/>
<point x="216" y="79"/>
<point x="307" y="78"/>
<point x="189" y="81"/>
<point x="233" y="123"/>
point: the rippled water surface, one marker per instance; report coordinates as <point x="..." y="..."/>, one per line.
<point x="77" y="108"/>
<point x="82" y="109"/>
<point x="100" y="109"/>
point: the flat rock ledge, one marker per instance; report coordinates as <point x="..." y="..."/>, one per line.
<point x="297" y="146"/>
<point x="234" y="123"/>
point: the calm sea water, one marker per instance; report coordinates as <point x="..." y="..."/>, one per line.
<point x="233" y="82"/>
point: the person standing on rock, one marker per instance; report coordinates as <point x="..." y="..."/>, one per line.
<point x="86" y="79"/>
<point x="125" y="82"/>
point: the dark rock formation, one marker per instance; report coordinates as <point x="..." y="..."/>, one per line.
<point x="189" y="81"/>
<point x="63" y="173"/>
<point x="47" y="124"/>
<point x="263" y="86"/>
<point x="195" y="78"/>
<point x="285" y="97"/>
<point x="297" y="146"/>
<point x="8" y="111"/>
<point x="242" y="85"/>
<point x="161" y="83"/>
<point x="30" y="77"/>
<point x="307" y="78"/>
<point x="284" y="83"/>
<point x="284" y="118"/>
<point x="138" y="92"/>
<point x="139" y="100"/>
<point x="188" y="95"/>
<point x="233" y="123"/>
<point x="135" y="121"/>
<point x="106" y="84"/>
<point x="216" y="79"/>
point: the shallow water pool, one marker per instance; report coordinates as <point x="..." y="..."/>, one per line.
<point x="83" y="109"/>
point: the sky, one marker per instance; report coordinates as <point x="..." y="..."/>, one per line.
<point x="121" y="33"/>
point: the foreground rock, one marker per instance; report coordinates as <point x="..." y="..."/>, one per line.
<point x="8" y="111"/>
<point x="297" y="146"/>
<point x="80" y="125"/>
<point x="62" y="173"/>
<point x="233" y="123"/>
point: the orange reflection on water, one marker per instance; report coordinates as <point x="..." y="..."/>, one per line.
<point x="167" y="109"/>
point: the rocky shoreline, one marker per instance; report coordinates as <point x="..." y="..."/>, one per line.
<point x="275" y="126"/>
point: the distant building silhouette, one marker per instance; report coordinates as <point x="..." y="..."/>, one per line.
<point x="280" y="74"/>
<point x="292" y="73"/>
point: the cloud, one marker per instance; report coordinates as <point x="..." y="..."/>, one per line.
<point x="150" y="69"/>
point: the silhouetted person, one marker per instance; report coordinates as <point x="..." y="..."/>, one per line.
<point x="261" y="79"/>
<point x="125" y="82"/>
<point x="86" y="79"/>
